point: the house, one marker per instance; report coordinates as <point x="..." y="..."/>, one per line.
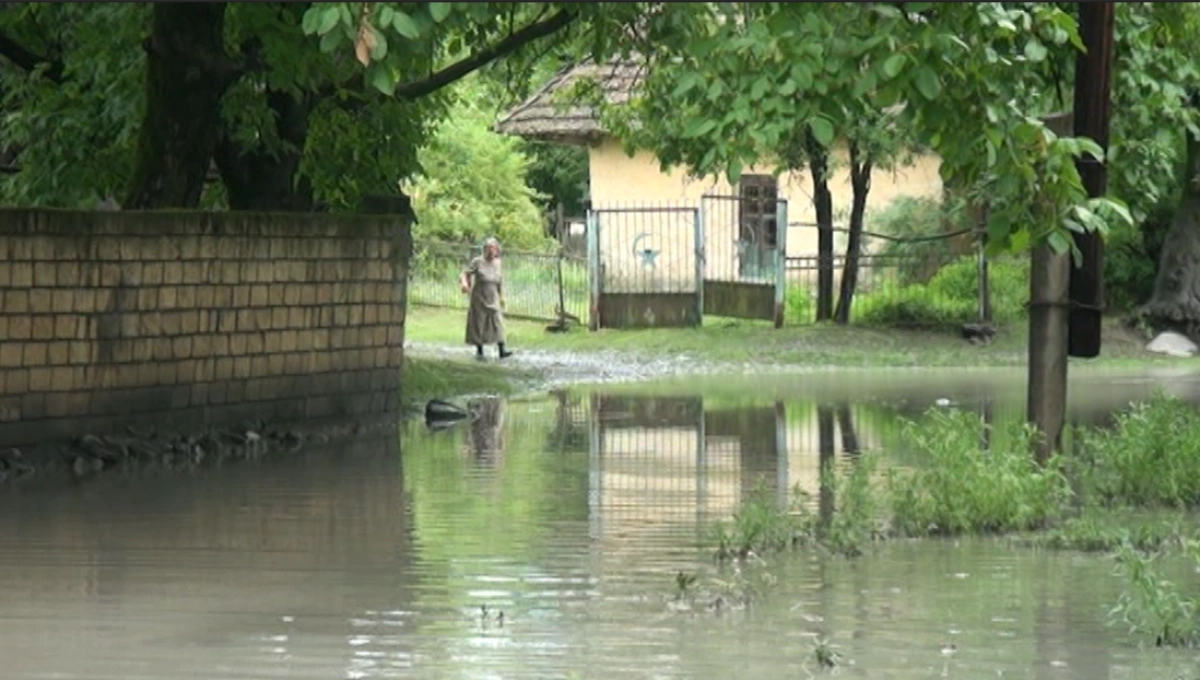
<point x="747" y="221"/>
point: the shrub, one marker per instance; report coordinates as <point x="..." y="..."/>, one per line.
<point x="949" y="298"/>
<point x="799" y="305"/>
<point x="1148" y="458"/>
<point x="913" y="217"/>
<point x="957" y="488"/>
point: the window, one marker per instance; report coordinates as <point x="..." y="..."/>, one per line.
<point x="759" y="196"/>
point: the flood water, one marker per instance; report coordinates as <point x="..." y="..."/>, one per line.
<point x="571" y="514"/>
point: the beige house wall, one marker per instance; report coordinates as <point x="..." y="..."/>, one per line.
<point x="620" y="180"/>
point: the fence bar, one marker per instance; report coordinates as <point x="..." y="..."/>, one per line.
<point x="594" y="273"/>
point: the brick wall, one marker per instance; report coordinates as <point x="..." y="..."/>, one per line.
<point x="184" y="318"/>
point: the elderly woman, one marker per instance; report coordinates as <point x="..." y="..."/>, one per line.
<point x="485" y="317"/>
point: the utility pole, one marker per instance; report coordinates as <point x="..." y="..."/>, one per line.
<point x="1065" y="302"/>
<point x="1093" y="82"/>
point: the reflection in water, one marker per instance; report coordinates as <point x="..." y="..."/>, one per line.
<point x="486" y="445"/>
<point x="571" y="515"/>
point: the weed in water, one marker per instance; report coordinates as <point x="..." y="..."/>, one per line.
<point x="760" y="525"/>
<point x="1150" y="605"/>
<point x="1148" y="458"/>
<point x="855" y="522"/>
<point x="824" y="654"/>
<point x="684" y="583"/>
<point x="960" y="489"/>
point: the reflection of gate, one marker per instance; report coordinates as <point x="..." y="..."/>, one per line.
<point x="644" y="267"/>
<point x="662" y="461"/>
<point x="745" y="253"/>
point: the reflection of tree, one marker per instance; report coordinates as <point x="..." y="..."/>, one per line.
<point x="845" y="421"/>
<point x="825" y="500"/>
<point x="486" y="445"/>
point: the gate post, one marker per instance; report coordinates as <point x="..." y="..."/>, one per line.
<point x="781" y="230"/>
<point x="593" y="258"/>
<point x="698" y="237"/>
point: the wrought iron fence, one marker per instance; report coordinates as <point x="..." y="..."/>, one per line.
<point x="536" y="284"/>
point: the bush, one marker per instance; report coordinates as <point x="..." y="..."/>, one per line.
<point x="959" y="488"/>
<point x="799" y="305"/>
<point x="950" y="298"/>
<point x="913" y="217"/>
<point x="1148" y="458"/>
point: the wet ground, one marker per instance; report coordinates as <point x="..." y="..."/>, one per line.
<point x="571" y="514"/>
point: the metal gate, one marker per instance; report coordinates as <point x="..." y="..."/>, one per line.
<point x="745" y="255"/>
<point x="645" y="267"/>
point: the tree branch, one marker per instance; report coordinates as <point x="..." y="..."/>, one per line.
<point x="28" y="61"/>
<point x="502" y="48"/>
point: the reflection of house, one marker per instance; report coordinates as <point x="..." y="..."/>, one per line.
<point x="740" y="235"/>
<point x="669" y="462"/>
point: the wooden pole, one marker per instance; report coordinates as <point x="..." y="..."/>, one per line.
<point x="1093" y="82"/>
<point x="1049" y="279"/>
<point x="1056" y="326"/>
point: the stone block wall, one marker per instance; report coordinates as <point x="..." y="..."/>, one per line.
<point x="180" y="319"/>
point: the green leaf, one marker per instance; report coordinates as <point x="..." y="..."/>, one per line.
<point x="1035" y="51"/>
<point x="734" y="172"/>
<point x="439" y="11"/>
<point x="822" y="130"/>
<point x="380" y="78"/>
<point x="699" y="127"/>
<point x="330" y="41"/>
<point x="310" y="21"/>
<point x="802" y="75"/>
<point x="1058" y="242"/>
<point x="928" y="83"/>
<point x="405" y="26"/>
<point x="386" y="14"/>
<point x="330" y="15"/>
<point x="893" y="65"/>
<point x="380" y="50"/>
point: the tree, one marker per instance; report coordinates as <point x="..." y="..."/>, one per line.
<point x="963" y="79"/>
<point x="473" y="181"/>
<point x="300" y="105"/>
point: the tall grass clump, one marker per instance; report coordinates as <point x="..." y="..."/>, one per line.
<point x="956" y="488"/>
<point x="762" y="525"/>
<point x="1149" y="458"/>
<point x="1151" y="605"/>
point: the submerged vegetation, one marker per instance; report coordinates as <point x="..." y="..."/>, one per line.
<point x="1127" y="489"/>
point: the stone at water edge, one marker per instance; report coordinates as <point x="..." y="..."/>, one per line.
<point x="1172" y="344"/>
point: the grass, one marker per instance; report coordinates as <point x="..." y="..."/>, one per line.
<point x="737" y="341"/>
<point x="1130" y="492"/>
<point x="426" y="379"/>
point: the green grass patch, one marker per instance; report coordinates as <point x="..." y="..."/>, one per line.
<point x="426" y="378"/>
<point x="822" y="345"/>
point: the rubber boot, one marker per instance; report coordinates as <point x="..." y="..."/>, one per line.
<point x="504" y="354"/>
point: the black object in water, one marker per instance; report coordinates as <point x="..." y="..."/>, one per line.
<point x="440" y="414"/>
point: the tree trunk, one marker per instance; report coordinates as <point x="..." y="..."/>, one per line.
<point x="187" y="73"/>
<point x="818" y="163"/>
<point x="1175" y="303"/>
<point x="860" y="182"/>
<point x="257" y="178"/>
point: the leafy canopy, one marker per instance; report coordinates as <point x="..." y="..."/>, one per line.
<point x="964" y="79"/>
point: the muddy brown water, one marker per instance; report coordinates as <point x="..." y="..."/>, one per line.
<point x="570" y="513"/>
